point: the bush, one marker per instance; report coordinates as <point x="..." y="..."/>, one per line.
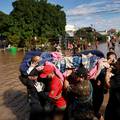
<point x="102" y="38"/>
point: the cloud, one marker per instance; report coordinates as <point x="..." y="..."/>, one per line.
<point x="94" y="8"/>
<point x="99" y="22"/>
<point x="103" y="15"/>
<point x="116" y="1"/>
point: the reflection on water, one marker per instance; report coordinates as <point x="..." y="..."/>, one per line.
<point x="6" y="57"/>
<point x="9" y="63"/>
<point x="12" y="92"/>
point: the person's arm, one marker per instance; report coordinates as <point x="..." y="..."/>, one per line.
<point x="32" y="66"/>
<point x="108" y="76"/>
<point x="32" y="72"/>
<point x="33" y="78"/>
<point x="53" y="94"/>
<point x="107" y="79"/>
<point x="66" y="84"/>
<point x="56" y="97"/>
<point x="67" y="73"/>
<point x="30" y="69"/>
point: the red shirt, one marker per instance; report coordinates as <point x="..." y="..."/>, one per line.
<point x="55" y="90"/>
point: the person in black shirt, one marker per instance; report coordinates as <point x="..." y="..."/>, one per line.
<point x="112" y="111"/>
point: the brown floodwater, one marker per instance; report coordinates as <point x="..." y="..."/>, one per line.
<point x="13" y="104"/>
<point x="13" y="98"/>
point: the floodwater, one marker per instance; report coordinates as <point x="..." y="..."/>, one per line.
<point x="13" y="98"/>
<point x="13" y="104"/>
<point x="103" y="47"/>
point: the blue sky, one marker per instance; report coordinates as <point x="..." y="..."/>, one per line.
<point x="102" y="14"/>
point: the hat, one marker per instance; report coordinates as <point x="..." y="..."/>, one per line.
<point x="46" y="71"/>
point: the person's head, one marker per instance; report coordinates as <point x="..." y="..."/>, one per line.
<point x="111" y="49"/>
<point x="111" y="57"/>
<point x="67" y="52"/>
<point x="35" y="59"/>
<point x="47" y="72"/>
<point x="81" y="73"/>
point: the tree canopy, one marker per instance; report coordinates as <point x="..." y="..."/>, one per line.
<point x="4" y="20"/>
<point x="90" y="34"/>
<point x="33" y="18"/>
<point x="87" y="33"/>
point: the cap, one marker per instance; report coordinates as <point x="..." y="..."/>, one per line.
<point x="46" y="71"/>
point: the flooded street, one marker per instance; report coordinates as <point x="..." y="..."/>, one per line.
<point x="103" y="47"/>
<point x="13" y="104"/>
<point x="13" y="99"/>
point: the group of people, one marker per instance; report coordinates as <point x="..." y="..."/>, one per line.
<point x="70" y="88"/>
<point x="111" y="40"/>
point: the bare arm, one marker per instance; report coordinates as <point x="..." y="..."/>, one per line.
<point x="108" y="76"/>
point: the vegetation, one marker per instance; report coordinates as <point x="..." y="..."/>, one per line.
<point x="90" y="34"/>
<point x="31" y="18"/>
<point x="102" y="38"/>
<point x="118" y="33"/>
<point x="86" y="33"/>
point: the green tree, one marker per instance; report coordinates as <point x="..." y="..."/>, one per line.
<point x="14" y="40"/>
<point x="102" y="38"/>
<point x="87" y="33"/>
<point x="37" y="18"/>
<point x="4" y="22"/>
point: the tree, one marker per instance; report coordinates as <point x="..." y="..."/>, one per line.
<point x="31" y="18"/>
<point x="87" y="33"/>
<point x="4" y="21"/>
<point x="14" y="40"/>
<point x="102" y="38"/>
<point x="37" y="18"/>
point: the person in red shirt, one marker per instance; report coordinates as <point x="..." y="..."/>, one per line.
<point x="56" y="86"/>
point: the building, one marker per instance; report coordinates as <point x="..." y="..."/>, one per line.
<point x="103" y="32"/>
<point x="70" y="30"/>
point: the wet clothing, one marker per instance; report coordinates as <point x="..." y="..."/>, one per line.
<point x="55" y="90"/>
<point x="75" y="60"/>
<point x="57" y="71"/>
<point x="94" y="52"/>
<point x="62" y="63"/>
<point x="98" y="92"/>
<point x="112" y="111"/>
<point x="80" y="101"/>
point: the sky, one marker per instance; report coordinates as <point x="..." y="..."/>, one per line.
<point x="100" y="14"/>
